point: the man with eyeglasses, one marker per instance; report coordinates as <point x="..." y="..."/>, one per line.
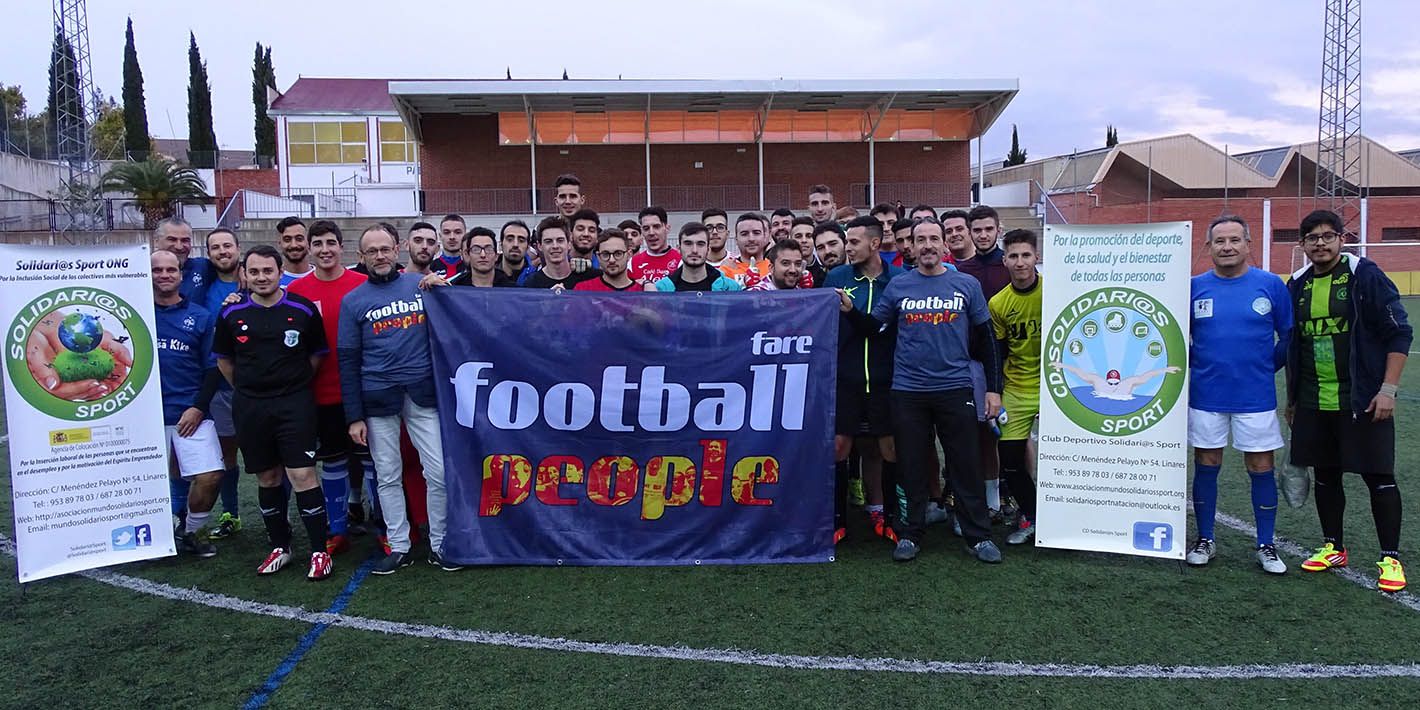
<point x="717" y="226"/>
<point x="515" y="264"/>
<point x="480" y="259"/>
<point x="615" y="257"/>
<point x="1347" y="352"/>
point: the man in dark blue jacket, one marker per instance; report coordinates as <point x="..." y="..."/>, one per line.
<point x="1343" y="372"/>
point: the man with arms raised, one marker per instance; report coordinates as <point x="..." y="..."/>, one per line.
<point x="659" y="259"/>
<point x="864" y="381"/>
<point x="387" y="378"/>
<point x="1016" y="319"/>
<point x="1344" y="362"/>
<point x="295" y="251"/>
<point x="452" y="228"/>
<point x="694" y="274"/>
<point x="942" y="326"/>
<point x="614" y="255"/>
<point x="184" y="338"/>
<point x="339" y="457"/>
<point x="268" y="348"/>
<point x="556" y="272"/>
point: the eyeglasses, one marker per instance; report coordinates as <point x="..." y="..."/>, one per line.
<point x="481" y="250"/>
<point x="1324" y="238"/>
<point x="379" y="251"/>
<point x="717" y="227"/>
<point x="619" y="254"/>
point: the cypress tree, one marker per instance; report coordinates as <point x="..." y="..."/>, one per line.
<point x="201" y="139"/>
<point x="135" y="111"/>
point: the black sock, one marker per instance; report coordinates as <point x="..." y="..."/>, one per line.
<point x="1013" y="472"/>
<point x="1330" y="504"/>
<point x="272" y="502"/>
<point x="311" y="503"/>
<point x="1385" y="508"/>
<point x="840" y="494"/>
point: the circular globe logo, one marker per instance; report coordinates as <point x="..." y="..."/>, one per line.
<point x="78" y="353"/>
<point x="1128" y="375"/>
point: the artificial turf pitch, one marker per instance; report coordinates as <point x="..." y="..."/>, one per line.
<point x="74" y="642"/>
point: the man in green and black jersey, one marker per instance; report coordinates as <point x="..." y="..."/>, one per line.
<point x="1347" y="352"/>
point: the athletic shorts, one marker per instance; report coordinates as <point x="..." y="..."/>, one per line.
<point x="1339" y="440"/>
<point x="1252" y="431"/>
<point x="197" y="454"/>
<point x="222" y="413"/>
<point x="334" y="434"/>
<point x="276" y="431"/>
<point x="862" y="413"/>
<point x="1022" y="409"/>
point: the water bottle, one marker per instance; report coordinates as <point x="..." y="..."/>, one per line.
<point x="997" y="422"/>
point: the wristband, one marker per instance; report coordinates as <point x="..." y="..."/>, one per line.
<point x="1389" y="389"/>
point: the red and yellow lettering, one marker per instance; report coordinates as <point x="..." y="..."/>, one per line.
<point x="603" y="491"/>
<point x="749" y="471"/>
<point x="519" y="472"/>
<point x="675" y="473"/>
<point x="550" y="477"/>
<point x="712" y="471"/>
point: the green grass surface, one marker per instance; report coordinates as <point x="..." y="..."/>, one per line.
<point x="74" y="642"/>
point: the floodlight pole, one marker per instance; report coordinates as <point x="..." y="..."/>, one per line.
<point x="532" y="149"/>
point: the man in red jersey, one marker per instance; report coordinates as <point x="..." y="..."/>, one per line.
<point x="659" y="259"/>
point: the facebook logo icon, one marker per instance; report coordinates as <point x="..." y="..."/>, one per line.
<point x="1154" y="537"/>
<point x="129" y="537"/>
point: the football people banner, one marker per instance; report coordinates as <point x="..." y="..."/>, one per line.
<point x="1113" y="467"/>
<point x="636" y="429"/>
<point x="88" y="459"/>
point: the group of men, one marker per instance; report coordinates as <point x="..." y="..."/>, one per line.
<point x="939" y="344"/>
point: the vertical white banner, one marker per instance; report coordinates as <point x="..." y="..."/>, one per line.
<point x="84" y="409"/>
<point x="1113" y="468"/>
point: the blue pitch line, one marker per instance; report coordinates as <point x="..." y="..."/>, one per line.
<point x="307" y="642"/>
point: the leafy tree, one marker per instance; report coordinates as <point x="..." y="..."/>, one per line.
<point x="1111" y="136"/>
<point x="136" y="138"/>
<point x="156" y="185"/>
<point x="109" y="133"/>
<point x="24" y="132"/>
<point x="263" y="76"/>
<point x="1016" y="156"/>
<point x="201" y="139"/>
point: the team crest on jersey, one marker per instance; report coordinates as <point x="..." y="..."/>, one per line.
<point x="1261" y="305"/>
<point x="1341" y="294"/>
<point x="189" y="323"/>
<point x="293" y="337"/>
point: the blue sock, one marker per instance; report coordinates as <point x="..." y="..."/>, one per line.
<point x="229" y="491"/>
<point x="178" y="487"/>
<point x="1205" y="497"/>
<point x="336" y="487"/>
<point x="1264" y="505"/>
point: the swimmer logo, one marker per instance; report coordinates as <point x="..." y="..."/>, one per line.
<point x="71" y="306"/>
<point x="1115" y="385"/>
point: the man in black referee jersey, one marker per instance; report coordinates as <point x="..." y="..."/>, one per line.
<point x="268" y="346"/>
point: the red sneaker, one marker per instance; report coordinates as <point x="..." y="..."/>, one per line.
<point x="881" y="528"/>
<point x="839" y="534"/>
<point x="321" y="566"/>
<point x="274" y="561"/>
<point x="337" y="544"/>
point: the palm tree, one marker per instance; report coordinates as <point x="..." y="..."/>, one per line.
<point x="155" y="185"/>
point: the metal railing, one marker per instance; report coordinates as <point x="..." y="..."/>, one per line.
<point x="313" y="202"/>
<point x="693" y="198"/>
<point x="41" y="215"/>
<point x="938" y="194"/>
<point x="484" y="200"/>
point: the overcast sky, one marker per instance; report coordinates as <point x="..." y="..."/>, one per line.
<point x="1241" y="73"/>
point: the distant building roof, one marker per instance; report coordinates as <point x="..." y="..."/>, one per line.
<point x="312" y="95"/>
<point x="175" y="149"/>
<point x="1412" y="155"/>
<point x="1269" y="162"/>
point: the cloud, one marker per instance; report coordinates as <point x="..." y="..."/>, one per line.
<point x="1188" y="110"/>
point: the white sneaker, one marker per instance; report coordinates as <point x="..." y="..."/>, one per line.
<point x="275" y="561"/>
<point x="1201" y="553"/>
<point x="1268" y="560"/>
<point x="935" y="513"/>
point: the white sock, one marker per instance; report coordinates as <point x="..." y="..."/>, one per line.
<point x="196" y="520"/>
<point x="873" y="508"/>
<point x="993" y="494"/>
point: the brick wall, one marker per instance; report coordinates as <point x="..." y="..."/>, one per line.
<point x="228" y="182"/>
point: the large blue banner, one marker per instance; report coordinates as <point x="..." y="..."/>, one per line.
<point x="636" y="429"/>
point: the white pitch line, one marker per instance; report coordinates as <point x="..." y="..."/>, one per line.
<point x="1347" y="573"/>
<point x="1288" y="671"/>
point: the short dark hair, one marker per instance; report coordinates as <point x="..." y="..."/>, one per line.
<point x="692" y="228"/>
<point x="962" y="215"/>
<point x="421" y="225"/>
<point x="287" y="223"/>
<point x="868" y="222"/>
<point x="1020" y="236"/>
<point x="751" y="217"/>
<point x="901" y="224"/>
<point x="611" y="233"/>
<point x="780" y="246"/>
<point x="567" y="179"/>
<point x="652" y="210"/>
<point x="585" y="215"/>
<point x="223" y="230"/>
<point x="629" y="224"/>
<point x="1226" y="218"/>
<point x="982" y="212"/>
<point x="824" y="227"/>
<point x="553" y="222"/>
<point x="265" y="250"/>
<point x="714" y="212"/>
<point x="503" y="231"/>
<point x="323" y="227"/>
<point x="805" y="220"/>
<point x="453" y="218"/>
<point x="479" y="232"/>
<point x="1319" y="218"/>
<point x="920" y="208"/>
<point x="885" y="208"/>
<point x="782" y="212"/>
<point x="820" y="188"/>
